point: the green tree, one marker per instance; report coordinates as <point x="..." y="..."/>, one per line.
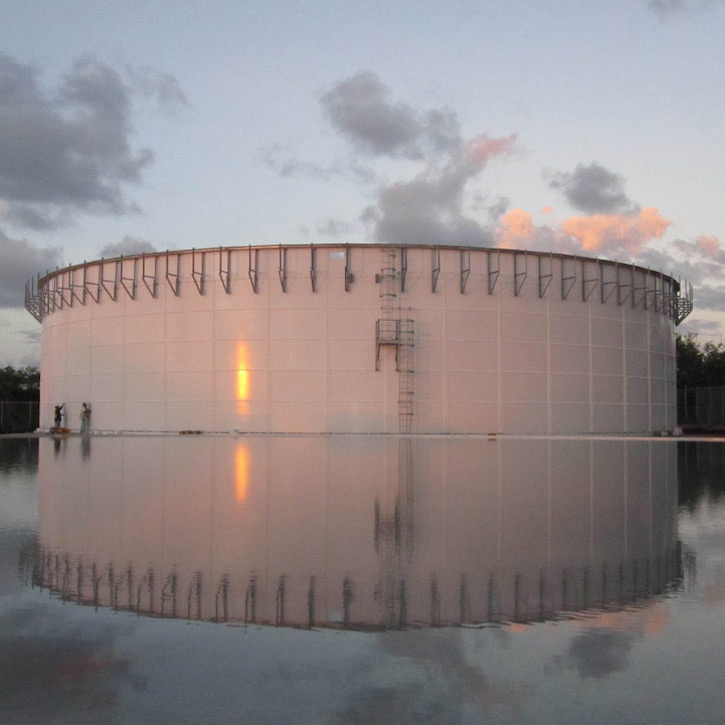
<point x="689" y="362"/>
<point x="714" y="363"/>
<point x="699" y="366"/>
<point x="19" y="384"/>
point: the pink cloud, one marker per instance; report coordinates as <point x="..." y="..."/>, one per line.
<point x="611" y="232"/>
<point x="515" y="228"/>
<point x="482" y="148"/>
<point x="600" y="233"/>
<point x="709" y="246"/>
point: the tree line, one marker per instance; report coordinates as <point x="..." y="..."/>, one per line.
<point x="20" y="384"/>
<point x="699" y="365"/>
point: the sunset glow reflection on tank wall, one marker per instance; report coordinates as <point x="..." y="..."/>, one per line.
<point x="241" y="473"/>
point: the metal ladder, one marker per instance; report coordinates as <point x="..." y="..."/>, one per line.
<point x="393" y="329"/>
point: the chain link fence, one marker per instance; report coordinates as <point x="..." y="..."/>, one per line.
<point x="701" y="407"/>
<point x="19" y="417"/>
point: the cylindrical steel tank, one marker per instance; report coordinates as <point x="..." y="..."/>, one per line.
<point x="360" y="338"/>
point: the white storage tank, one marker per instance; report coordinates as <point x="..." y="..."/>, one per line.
<point x="360" y="338"/>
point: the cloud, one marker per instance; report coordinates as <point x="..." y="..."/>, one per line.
<point x="160" y="86"/>
<point x="68" y="150"/>
<point x="49" y="672"/>
<point x="515" y="228"/>
<point x="593" y="190"/>
<point x="360" y="109"/>
<point x="704" y="252"/>
<point x="598" y="653"/>
<point x="482" y="149"/>
<point x="31" y="217"/>
<point x="21" y="261"/>
<point x="691" y="269"/>
<point x="706" y="328"/>
<point x="31" y="335"/>
<point x="333" y="228"/>
<point x="127" y="246"/>
<point x="701" y="263"/>
<point x="608" y="234"/>
<point x="710" y="297"/>
<point x="709" y="246"/>
<point x="693" y="261"/>
<point x="664" y="8"/>
<point x="429" y="207"/>
<point x="441" y="130"/>
<point x="611" y="233"/>
<point x="497" y="209"/>
<point x="275" y="158"/>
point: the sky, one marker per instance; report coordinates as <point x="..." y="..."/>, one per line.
<point x="593" y="127"/>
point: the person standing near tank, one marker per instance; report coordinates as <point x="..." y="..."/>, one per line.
<point x="85" y="417"/>
<point x="58" y="415"/>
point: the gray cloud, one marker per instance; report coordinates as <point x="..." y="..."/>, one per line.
<point x="31" y="335"/>
<point x="51" y="673"/>
<point x="696" y="326"/>
<point x="127" y="246"/>
<point x="429" y="208"/>
<point x="593" y="190"/>
<point x="274" y="158"/>
<point x="693" y="264"/>
<point x="494" y="208"/>
<point x="288" y="165"/>
<point x="69" y="150"/>
<point x="34" y="217"/>
<point x="497" y="209"/>
<point x="548" y="238"/>
<point x="359" y="108"/>
<point x="21" y="261"/>
<point x="663" y="8"/>
<point x="709" y="297"/>
<point x="162" y="87"/>
<point x="694" y="270"/>
<point x="706" y="250"/>
<point x="597" y="653"/>
<point x="442" y="130"/>
<point x="445" y="681"/>
<point x="333" y="228"/>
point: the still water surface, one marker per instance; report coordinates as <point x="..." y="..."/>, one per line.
<point x="345" y="579"/>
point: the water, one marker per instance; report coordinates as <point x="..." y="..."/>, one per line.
<point x="346" y="579"/>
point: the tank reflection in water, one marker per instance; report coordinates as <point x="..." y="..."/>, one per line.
<point x="365" y="533"/>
